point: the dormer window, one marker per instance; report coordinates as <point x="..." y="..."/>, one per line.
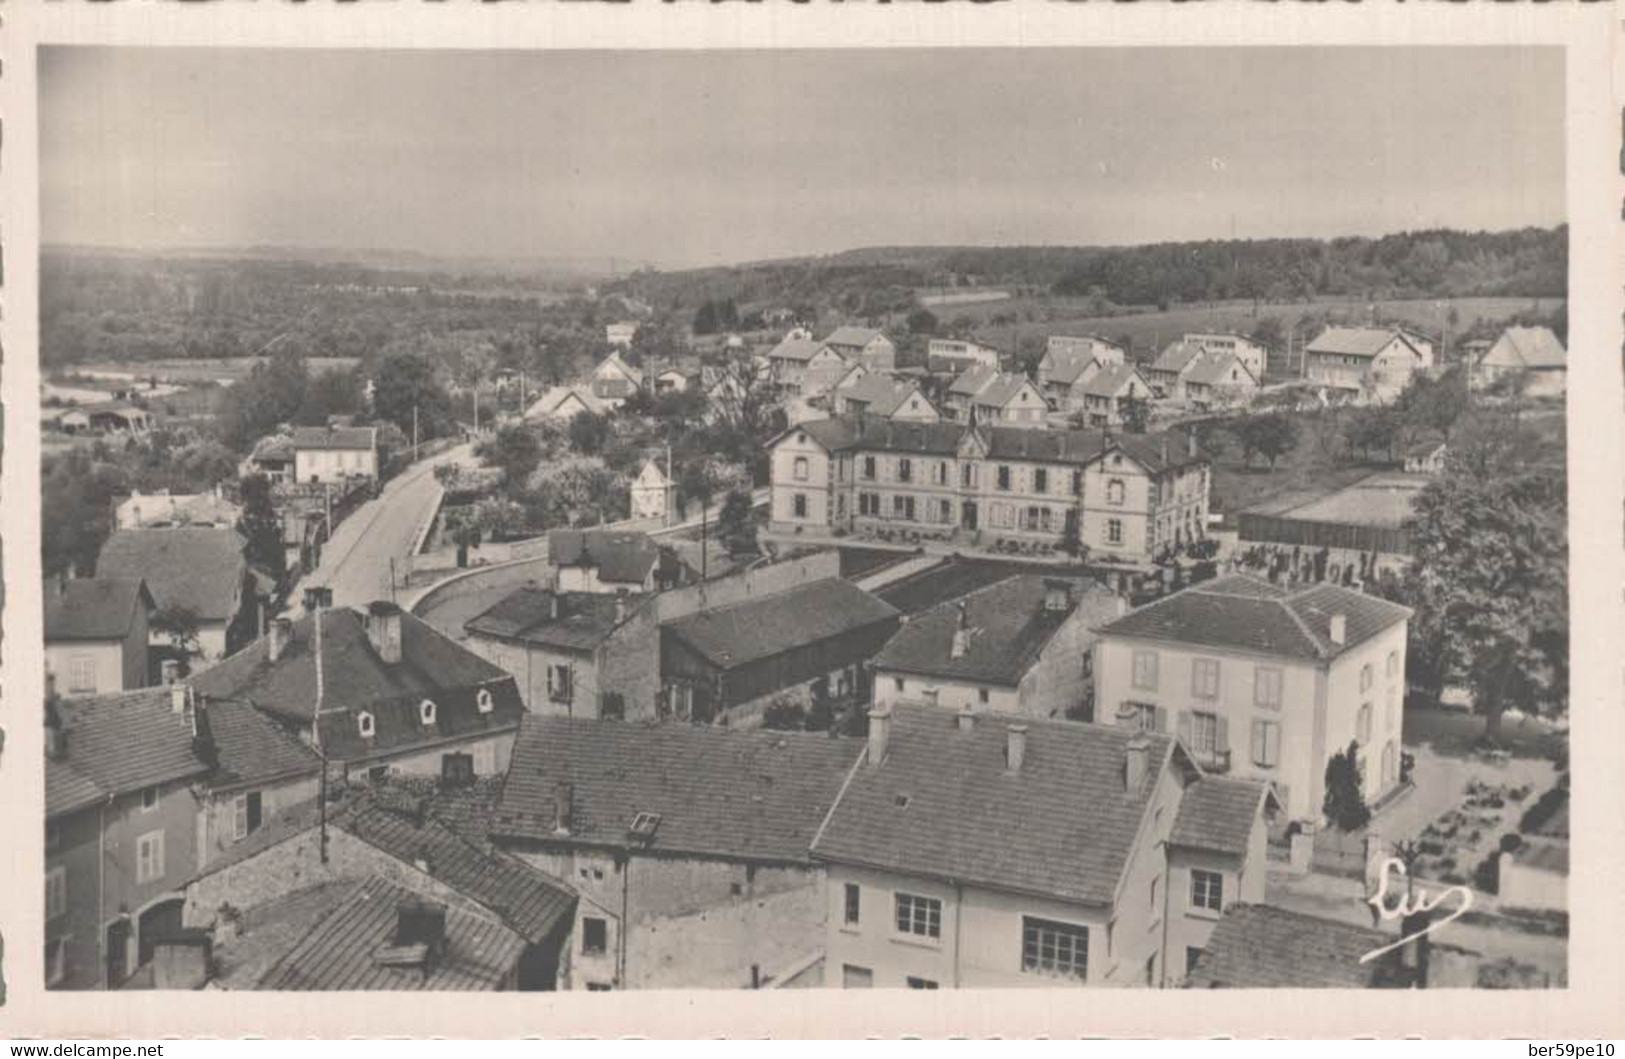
<point x="366" y="725"/>
<point x="426" y="711"/>
<point x="484" y="700"/>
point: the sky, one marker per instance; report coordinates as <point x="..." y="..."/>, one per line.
<point x="682" y="158"/>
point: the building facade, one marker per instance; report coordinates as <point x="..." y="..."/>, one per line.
<point x="332" y="454"/>
<point x="96" y="632"/>
<point x="1364" y="362"/>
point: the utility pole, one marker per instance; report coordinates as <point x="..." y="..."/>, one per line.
<point x="669" y="500"/>
<point x="476" y="408"/>
<point x="414" y="431"/>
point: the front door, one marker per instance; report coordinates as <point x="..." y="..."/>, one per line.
<point x="118" y="952"/>
<point x="968" y="515"/>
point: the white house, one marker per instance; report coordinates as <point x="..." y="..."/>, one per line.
<point x="332" y="454"/>
<point x="653" y="494"/>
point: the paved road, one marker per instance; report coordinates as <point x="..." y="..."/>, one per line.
<point x="355" y="563"/>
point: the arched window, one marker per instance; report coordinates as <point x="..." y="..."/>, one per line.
<point x="426" y="711"/>
<point x="484" y="700"/>
<point x="365" y="725"/>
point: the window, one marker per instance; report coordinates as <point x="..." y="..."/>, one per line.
<point x="1205" y="678"/>
<point x="940" y="474"/>
<point x="855" y="977"/>
<point x="1392" y="710"/>
<point x="365" y="725"/>
<point x="868" y="504"/>
<point x="905" y="469"/>
<point x="945" y="511"/>
<point x="1140" y="716"/>
<point x="1204" y="734"/>
<point x="149" y="857"/>
<point x="982" y="696"/>
<point x="903" y="508"/>
<point x="1048" y="947"/>
<point x="56" y="893"/>
<point x="919" y="916"/>
<point x="56" y="960"/>
<point x="854" y="897"/>
<point x="426" y="711"/>
<point x="799" y="505"/>
<point x="82" y="674"/>
<point x="1393" y="663"/>
<point x="1266" y="744"/>
<point x="800" y="471"/>
<point x="1267" y="687"/>
<point x="898" y="683"/>
<point x="1362" y="724"/>
<point x="920" y="983"/>
<point x="1031" y="522"/>
<point x="149" y="799"/>
<point x="599" y="987"/>
<point x="1115" y="491"/>
<point x="594" y="934"/>
<point x="1145" y="670"/>
<point x="968" y="475"/>
<point x="869" y="468"/>
<point x="1077" y="483"/>
<point x="1041" y="480"/>
<point x="1004" y="478"/>
<point x="245" y="815"/>
<point x="483" y="699"/>
<point x="558" y="682"/>
<point x="1365" y="677"/>
<point x="1207" y="890"/>
<point x="1114" y="531"/>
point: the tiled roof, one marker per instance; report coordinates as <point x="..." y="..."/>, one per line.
<point x="68" y="790"/>
<point x="619" y="555"/>
<point x="852" y="336"/>
<point x="93" y="608"/>
<point x="1008" y="624"/>
<point x="1265" y="947"/>
<point x="1536" y="347"/>
<point x="802" y="349"/>
<point x="1217" y="813"/>
<point x="198" y="569"/>
<point x="1353" y="341"/>
<point x="1112" y="378"/>
<point x="346" y="438"/>
<point x="337" y="954"/>
<point x="1003" y="390"/>
<point x="943" y="804"/>
<point x="748" y="632"/>
<point x="526" y="614"/>
<point x="122" y="743"/>
<point x="1249" y="614"/>
<point x="1068" y="366"/>
<point x="251" y="749"/>
<point x="725" y="792"/>
<point x="554" y="401"/>
<point x="1176" y="356"/>
<point x="355" y="678"/>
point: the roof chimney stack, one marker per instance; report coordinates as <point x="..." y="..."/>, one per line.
<point x="278" y="638"/>
<point x="177" y="698"/>
<point x="1137" y="760"/>
<point x="1015" y="748"/>
<point x="967" y="719"/>
<point x="384" y="630"/>
<point x="563" y="807"/>
<point x="1340" y="629"/>
<point x="879" y="733"/>
<point x="961" y="642"/>
<point x="169" y="670"/>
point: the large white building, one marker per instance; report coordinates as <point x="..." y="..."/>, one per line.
<point x="332" y="454"/>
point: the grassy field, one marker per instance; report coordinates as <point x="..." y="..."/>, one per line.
<point x="183" y="370"/>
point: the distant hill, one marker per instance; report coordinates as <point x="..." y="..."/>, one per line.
<point x="552" y="267"/>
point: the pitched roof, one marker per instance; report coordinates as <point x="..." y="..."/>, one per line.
<point x="724" y="792"/>
<point x="1214" y="368"/>
<point x="1110" y="379"/>
<point x="1217" y="813"/>
<point x="251" y="749"/>
<point x="1009" y="627"/>
<point x="802" y="349"/>
<point x="761" y="628"/>
<point x="119" y="744"/>
<point x="334" y="437"/>
<point x="1355" y="341"/>
<point x="1003" y="389"/>
<point x="337" y="953"/>
<point x="1247" y="613"/>
<point x="1176" y="356"/>
<point x="942" y="803"/>
<point x="554" y="400"/>
<point x="1069" y="365"/>
<point x="585" y="619"/>
<point x="1266" y="947"/>
<point x="273" y="447"/>
<point x="852" y="336"/>
<point x="861" y="433"/>
<point x="619" y="555"/>
<point x="200" y="569"/>
<point x="93" y="608"/>
<point x="881" y="393"/>
<point x="355" y="678"/>
<point x="1535" y="347"/>
<point x="974" y="379"/>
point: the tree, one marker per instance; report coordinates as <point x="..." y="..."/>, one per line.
<point x="1269" y="332"/>
<point x="516" y="450"/>
<point x="1344" y="804"/>
<point x="1436" y="405"/>
<point x="329" y="393"/>
<point x="261" y="529"/>
<point x="405" y="384"/>
<point x="180" y="624"/>
<point x="588" y="432"/>
<point x="736" y="523"/>
<point x="1136" y="414"/>
<point x="1270" y="435"/>
<point x="465" y="534"/>
<point x="922" y="322"/>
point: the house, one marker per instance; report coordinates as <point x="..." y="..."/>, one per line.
<point x="806" y="645"/>
<point x="654" y="495"/>
<point x="1362" y="361"/>
<point x="955" y="356"/>
<point x="621" y="333"/>
<point x="198" y="571"/>
<point x="964" y="390"/>
<point x="272" y="457"/>
<point x="164" y="509"/>
<point x="376" y="692"/>
<point x="1063" y="380"/>
<point x="1426" y="456"/>
<point x="804" y="367"/>
<point x="581" y="654"/>
<point x="1167" y="373"/>
<point x="108" y="417"/>
<point x="885" y="397"/>
<point x="1107" y="392"/>
<point x="1259" y="946"/>
<point x="1532" y="354"/>
<point x="864" y="345"/>
<point x="967" y="853"/>
<point x="614" y="380"/>
<point x="96" y="634"/>
<point x="331" y="453"/>
<point x="1071" y="353"/>
<point x="1422" y="343"/>
<point x="676" y="380"/>
<point x="610" y="561"/>
<point x="1264" y="681"/>
<point x="1019" y="646"/>
<point x="506" y="925"/>
<point x="1009" y="399"/>
<point x="135" y="786"/>
<point x="1252" y="354"/>
<point x="565" y="403"/>
<point x="1128" y="498"/>
<point x="1218" y="379"/>
<point x="687" y="845"/>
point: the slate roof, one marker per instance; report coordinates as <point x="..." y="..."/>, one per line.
<point x="1354" y="341"/>
<point x="118" y="744"/>
<point x="1009" y="629"/>
<point x="1216" y="813"/>
<point x="335" y="438"/>
<point x="802" y="349"/>
<point x="1535" y="347"/>
<point x="943" y="804"/>
<point x="200" y="569"/>
<point x="751" y="795"/>
<point x="1247" y="613"/>
<point x="738" y="635"/>
<point x="1110" y="379"/>
<point x="619" y="555"/>
<point x="1265" y="947"/>
<point x="355" y="678"/>
<point x="93" y="608"/>
<point x="852" y="336"/>
<point x="585" y="618"/>
<point x="337" y="953"/>
<point x="251" y="749"/>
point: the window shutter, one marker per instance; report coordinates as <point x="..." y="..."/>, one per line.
<point x="253" y="811"/>
<point x="1221" y="736"/>
<point x="1185" y="727"/>
<point x="1161" y="719"/>
<point x="1260" y="752"/>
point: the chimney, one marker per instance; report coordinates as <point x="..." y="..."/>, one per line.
<point x="1190" y="437"/>
<point x="967" y="719"/>
<point x="620" y="605"/>
<point x="879" y="733"/>
<point x="563" y="807"/>
<point x="384" y="630"/>
<point x="553" y="605"/>
<point x="169" y="670"/>
<point x="1340" y="629"/>
<point x="1136" y="757"/>
<point x="961" y="642"/>
<point x="1015" y="747"/>
<point x="421" y="923"/>
<point x="278" y="638"/>
<point x="179" y="695"/>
